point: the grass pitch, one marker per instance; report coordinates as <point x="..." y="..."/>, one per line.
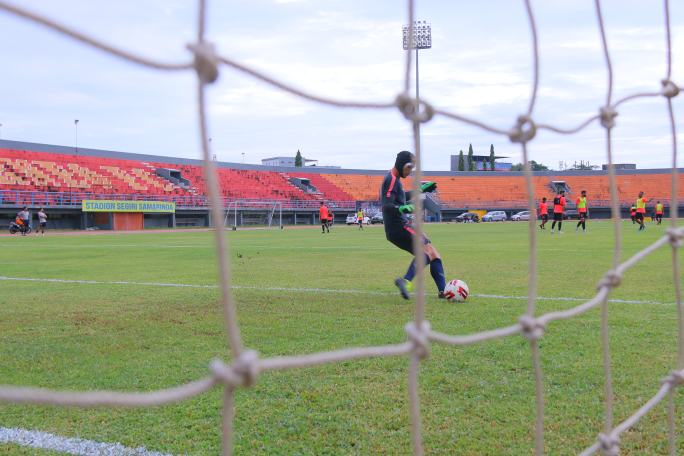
<point x="474" y="400"/>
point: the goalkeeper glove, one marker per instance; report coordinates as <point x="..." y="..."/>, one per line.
<point x="428" y="187"/>
<point x="406" y="208"/>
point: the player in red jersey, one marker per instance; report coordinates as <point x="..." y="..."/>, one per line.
<point x="641" y="210"/>
<point x="558" y="209"/>
<point x="324" y="215"/>
<point x="543" y="213"/>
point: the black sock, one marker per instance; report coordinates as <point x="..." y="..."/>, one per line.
<point x="411" y="271"/>
<point x="437" y="272"/>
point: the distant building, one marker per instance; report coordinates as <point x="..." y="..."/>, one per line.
<point x="620" y="166"/>
<point x="479" y="163"/>
<point x="286" y="162"/>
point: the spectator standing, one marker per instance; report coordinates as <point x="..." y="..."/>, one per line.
<point x="42" y="221"/>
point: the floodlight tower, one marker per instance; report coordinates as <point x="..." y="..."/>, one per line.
<point x="76" y="129"/>
<point x="421" y="39"/>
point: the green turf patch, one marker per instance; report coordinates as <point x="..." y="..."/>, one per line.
<point x="474" y="400"/>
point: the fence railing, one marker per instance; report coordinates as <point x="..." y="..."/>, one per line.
<point x="34" y="199"/>
<point x="73" y="199"/>
<point x="522" y="205"/>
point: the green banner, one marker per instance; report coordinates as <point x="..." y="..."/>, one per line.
<point x="127" y="206"/>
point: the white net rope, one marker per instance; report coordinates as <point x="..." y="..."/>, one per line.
<point x="246" y="365"/>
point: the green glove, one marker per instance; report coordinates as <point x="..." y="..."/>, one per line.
<point x="406" y="208"/>
<point x="428" y="187"/>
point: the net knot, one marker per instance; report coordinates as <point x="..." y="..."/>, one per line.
<point x="419" y="338"/>
<point x="609" y="445"/>
<point x="206" y="61"/>
<point x="675" y="235"/>
<point x="407" y="106"/>
<point x="524" y="130"/>
<point x="675" y="379"/>
<point x="242" y="372"/>
<point x="607" y="114"/>
<point x="670" y="89"/>
<point x="532" y="328"/>
<point x="612" y="279"/>
<point x="246" y="366"/>
<point x="224" y="373"/>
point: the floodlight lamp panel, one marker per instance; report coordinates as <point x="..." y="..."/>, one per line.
<point x="422" y="36"/>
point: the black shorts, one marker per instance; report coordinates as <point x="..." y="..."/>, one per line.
<point x="544" y="217"/>
<point x="639" y="216"/>
<point x="403" y="238"/>
<point x="43" y="224"/>
<point x="582" y="216"/>
<point x="557" y="216"/>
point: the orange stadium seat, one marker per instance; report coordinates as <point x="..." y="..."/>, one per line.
<point x="61" y="172"/>
<point x="361" y="187"/>
<point x="326" y="188"/>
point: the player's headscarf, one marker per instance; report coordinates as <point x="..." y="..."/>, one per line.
<point x="404" y="157"/>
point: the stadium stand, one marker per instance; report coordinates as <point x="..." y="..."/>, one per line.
<point x="245" y="184"/>
<point x="49" y="172"/>
<point x="361" y="187"/>
<point x="37" y="171"/>
<point x="326" y="188"/>
<point x="52" y="173"/>
<point x="465" y="191"/>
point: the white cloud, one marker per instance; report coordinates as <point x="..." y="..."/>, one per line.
<point x="479" y="66"/>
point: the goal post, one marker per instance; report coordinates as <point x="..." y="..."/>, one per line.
<point x="231" y="216"/>
<point x="264" y="214"/>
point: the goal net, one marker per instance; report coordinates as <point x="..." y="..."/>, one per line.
<point x="253" y="214"/>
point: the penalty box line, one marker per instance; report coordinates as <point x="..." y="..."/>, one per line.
<point x="46" y="441"/>
<point x="304" y="290"/>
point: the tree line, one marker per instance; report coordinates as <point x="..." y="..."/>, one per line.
<point x="469" y="162"/>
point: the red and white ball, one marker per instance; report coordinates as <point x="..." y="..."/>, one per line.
<point x="456" y="291"/>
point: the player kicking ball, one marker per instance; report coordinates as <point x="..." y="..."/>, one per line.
<point x="398" y="227"/>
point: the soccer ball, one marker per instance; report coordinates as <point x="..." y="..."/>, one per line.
<point x="456" y="290"/>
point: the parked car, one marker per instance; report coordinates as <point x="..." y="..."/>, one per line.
<point x="571" y="214"/>
<point x="467" y="217"/>
<point x="353" y="220"/>
<point x="376" y="218"/>
<point x="495" y="216"/>
<point x="523" y="215"/>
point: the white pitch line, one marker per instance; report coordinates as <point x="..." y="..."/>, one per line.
<point x="45" y="441"/>
<point x="251" y="247"/>
<point x="305" y="290"/>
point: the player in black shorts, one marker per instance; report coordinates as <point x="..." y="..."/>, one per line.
<point x="398" y="228"/>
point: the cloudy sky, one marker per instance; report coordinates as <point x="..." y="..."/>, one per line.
<point x="480" y="66"/>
